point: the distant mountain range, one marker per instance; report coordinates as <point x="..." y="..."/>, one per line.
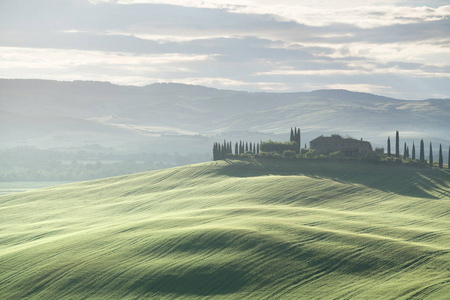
<point x="168" y="117"/>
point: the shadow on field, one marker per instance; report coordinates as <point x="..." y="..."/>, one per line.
<point x="200" y="281"/>
<point x="410" y="181"/>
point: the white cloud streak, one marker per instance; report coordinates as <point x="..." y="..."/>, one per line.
<point x="11" y="57"/>
<point x="120" y="68"/>
<point x="366" y="14"/>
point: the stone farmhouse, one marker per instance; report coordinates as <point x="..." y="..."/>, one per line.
<point x="348" y="146"/>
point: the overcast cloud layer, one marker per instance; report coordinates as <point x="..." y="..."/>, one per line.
<point x="394" y="48"/>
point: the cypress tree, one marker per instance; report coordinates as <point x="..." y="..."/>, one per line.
<point x="405" y="154"/>
<point x="225" y="149"/>
<point x="236" y="149"/>
<point x="298" y="140"/>
<point x="251" y="147"/>
<point x="397" y="144"/>
<point x="219" y="152"/>
<point x="246" y="146"/>
<point x="292" y="135"/>
<point x="413" y="156"/>
<point x="431" y="155"/>
<point x="257" y="148"/>
<point x="214" y="151"/>
<point x="422" y="151"/>
<point x="389" y="146"/>
<point x="448" y="161"/>
<point x="441" y="159"/>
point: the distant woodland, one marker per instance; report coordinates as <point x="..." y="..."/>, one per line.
<point x="33" y="164"/>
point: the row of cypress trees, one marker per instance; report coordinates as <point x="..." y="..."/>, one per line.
<point x="220" y="151"/>
<point x="406" y="153"/>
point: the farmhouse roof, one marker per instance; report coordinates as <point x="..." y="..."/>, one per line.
<point x="335" y="139"/>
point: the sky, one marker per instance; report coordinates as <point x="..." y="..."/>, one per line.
<point x="396" y="48"/>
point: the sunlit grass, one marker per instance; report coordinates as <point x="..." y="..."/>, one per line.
<point x="233" y="229"/>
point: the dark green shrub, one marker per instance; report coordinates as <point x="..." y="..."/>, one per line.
<point x="397" y="160"/>
<point x="304" y="150"/>
<point x="311" y="154"/>
<point x="278" y="147"/>
<point x="372" y="157"/>
<point x="379" y="150"/>
<point x="336" y="155"/>
<point x="246" y="155"/>
<point x="269" y="155"/>
<point x="289" y="154"/>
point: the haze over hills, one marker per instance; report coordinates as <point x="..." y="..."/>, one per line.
<point x="169" y="117"/>
<point x="256" y="229"/>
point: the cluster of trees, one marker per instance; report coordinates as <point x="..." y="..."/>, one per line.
<point x="221" y="150"/>
<point x="412" y="156"/>
<point x="279" y="147"/>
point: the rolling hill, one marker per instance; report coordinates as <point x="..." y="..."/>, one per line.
<point x="258" y="229"/>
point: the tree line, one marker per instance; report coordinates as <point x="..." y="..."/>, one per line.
<point x="293" y="149"/>
<point x="221" y="150"/>
<point x="412" y="155"/>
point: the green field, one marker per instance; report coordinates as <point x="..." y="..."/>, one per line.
<point x="266" y="229"/>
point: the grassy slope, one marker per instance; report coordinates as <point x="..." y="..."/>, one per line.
<point x="233" y="229"/>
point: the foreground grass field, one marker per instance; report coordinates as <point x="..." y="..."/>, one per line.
<point x="233" y="229"/>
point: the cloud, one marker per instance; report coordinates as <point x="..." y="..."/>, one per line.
<point x="366" y="14"/>
<point x="92" y="65"/>
<point x="253" y="45"/>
